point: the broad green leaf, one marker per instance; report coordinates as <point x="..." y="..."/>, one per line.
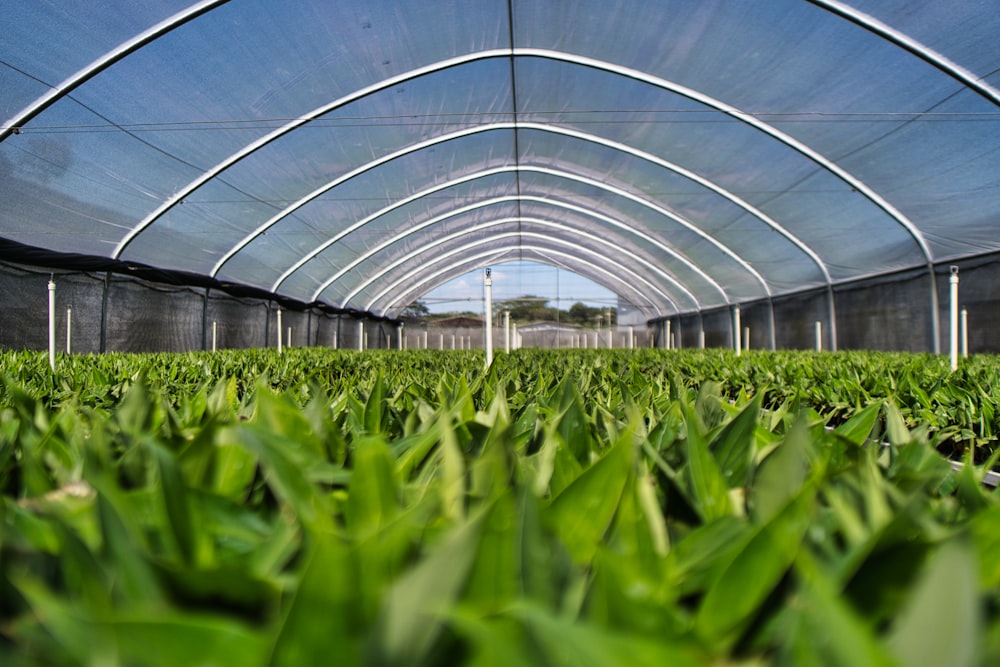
<point x="970" y="491"/>
<point x="174" y="494"/>
<point x="320" y="624"/>
<point x="565" y="467"/>
<point x="782" y="473"/>
<point x="895" y="427"/>
<point x="173" y="639"/>
<point x="283" y="471"/>
<point x="941" y="624"/>
<point x="985" y="528"/>
<point x="733" y="446"/>
<point x="80" y="635"/>
<point x="695" y="561"/>
<point x="495" y="576"/>
<point x="375" y="407"/>
<point x="582" y="513"/>
<point x="280" y="416"/>
<point x="414" y="610"/>
<point x="452" y="475"/>
<point x="494" y="641"/>
<point x="734" y="598"/>
<point x="624" y="595"/>
<point x="709" y="489"/>
<point x="574" y="425"/>
<point x="373" y="498"/>
<point x="645" y="488"/>
<point x="25" y="529"/>
<point x="411" y="451"/>
<point x="825" y="630"/>
<point x="233" y="471"/>
<point x="122" y="542"/>
<point x="860" y="425"/>
<point x="544" y="564"/>
<point x="282" y="543"/>
<point x="568" y="644"/>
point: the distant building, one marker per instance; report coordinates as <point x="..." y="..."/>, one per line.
<point x="549" y="327"/>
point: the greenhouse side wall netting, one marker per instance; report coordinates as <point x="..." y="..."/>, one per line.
<point x="111" y="312"/>
<point x="101" y="312"/>
<point x="890" y="312"/>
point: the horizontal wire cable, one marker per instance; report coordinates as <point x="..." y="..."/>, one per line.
<point x="448" y="118"/>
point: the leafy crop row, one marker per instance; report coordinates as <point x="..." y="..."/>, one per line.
<point x="574" y="508"/>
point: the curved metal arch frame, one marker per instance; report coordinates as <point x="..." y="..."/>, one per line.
<point x="406" y="257"/>
<point x="506" y="199"/>
<point x="542" y="238"/>
<point x="584" y="61"/>
<point x="540" y="127"/>
<point x="907" y="43"/>
<point x="94" y="68"/>
<point x="609" y="276"/>
<point x="533" y="253"/>
<point x="521" y="168"/>
<point x="304" y="119"/>
<point x="750" y="120"/>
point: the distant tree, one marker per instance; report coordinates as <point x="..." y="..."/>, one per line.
<point x="582" y="314"/>
<point x="529" y="308"/>
<point x="416" y="311"/>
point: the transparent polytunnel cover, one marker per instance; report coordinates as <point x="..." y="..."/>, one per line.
<point x="687" y="155"/>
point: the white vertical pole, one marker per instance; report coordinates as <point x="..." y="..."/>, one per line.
<point x="361" y="335"/>
<point x="953" y="320"/>
<point x="52" y="323"/>
<point x="831" y="315"/>
<point x="335" y="341"/>
<point x="279" y="331"/>
<point x="746" y="338"/>
<point x="289" y="336"/>
<point x="965" y="332"/>
<point x="819" y="335"/>
<point x="440" y="341"/>
<point x="667" y="336"/>
<point x="631" y="338"/>
<point x="506" y="331"/>
<point x="425" y="340"/>
<point x="515" y="338"/>
<point x="701" y="337"/>
<point x="69" y="330"/>
<point x="488" y="307"/>
<point x="737" y="328"/>
<point x="453" y="341"/>
<point x="215" y="335"/>
<point x="399" y="336"/>
<point x="366" y="341"/>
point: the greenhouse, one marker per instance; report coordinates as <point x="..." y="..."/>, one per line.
<point x="225" y="441"/>
<point x="175" y="164"/>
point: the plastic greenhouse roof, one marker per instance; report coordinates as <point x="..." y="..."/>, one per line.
<point x="687" y="155"/>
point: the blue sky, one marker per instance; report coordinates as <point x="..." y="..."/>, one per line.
<point x="514" y="279"/>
